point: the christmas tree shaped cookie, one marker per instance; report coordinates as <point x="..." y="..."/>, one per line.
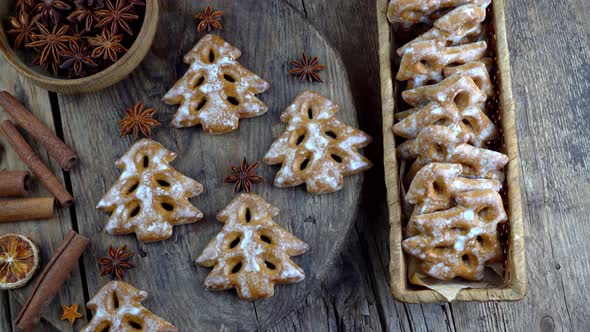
<point x="251" y="253"/>
<point x="117" y="307"/>
<point x="150" y="196"/>
<point x="216" y="91"/>
<point x="316" y="148"/>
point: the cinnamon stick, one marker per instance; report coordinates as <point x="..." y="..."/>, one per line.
<point x="41" y="171"/>
<point x="65" y="156"/>
<point x="51" y="279"/>
<point x="14" y="183"/>
<point x="26" y="209"/>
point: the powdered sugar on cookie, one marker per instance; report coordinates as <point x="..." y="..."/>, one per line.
<point x="251" y="253"/>
<point x="216" y="91"/>
<point x="150" y="196"/>
<point x="316" y="148"/>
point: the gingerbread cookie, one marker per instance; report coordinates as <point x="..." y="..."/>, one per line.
<point x="117" y="307"/>
<point x="443" y="144"/>
<point x="216" y="91"/>
<point x="436" y="185"/>
<point x="150" y="196"/>
<point x="423" y="63"/>
<point x="251" y="253"/>
<point x="458" y="242"/>
<point x="414" y="11"/>
<point x="461" y="25"/>
<point x="316" y="148"/>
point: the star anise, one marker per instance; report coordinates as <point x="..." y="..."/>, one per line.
<point x="88" y="15"/>
<point x="243" y="176"/>
<point x="50" y="43"/>
<point x="209" y="19"/>
<point x="50" y="9"/>
<point x="138" y="120"/>
<point x="24" y="29"/>
<point x="307" y="68"/>
<point x="107" y="46"/>
<point x="116" y="262"/>
<point x="76" y="59"/>
<point x="117" y="16"/>
<point x="22" y="5"/>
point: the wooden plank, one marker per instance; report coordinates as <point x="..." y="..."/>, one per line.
<point x="47" y="234"/>
<point x="166" y="269"/>
<point x="357" y="43"/>
<point x="551" y="85"/>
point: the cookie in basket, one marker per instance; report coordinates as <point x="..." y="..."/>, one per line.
<point x="458" y="242"/>
<point x="251" y="253"/>
<point x="461" y="25"/>
<point x="423" y="11"/>
<point x="442" y="144"/>
<point x="216" y="91"/>
<point x="150" y="196"/>
<point x="316" y="148"/>
<point x="436" y="185"/>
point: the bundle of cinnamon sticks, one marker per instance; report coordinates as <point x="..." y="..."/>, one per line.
<point x="16" y="183"/>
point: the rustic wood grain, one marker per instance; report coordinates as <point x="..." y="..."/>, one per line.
<point x="47" y="234"/>
<point x="551" y="86"/>
<point x="166" y="269"/>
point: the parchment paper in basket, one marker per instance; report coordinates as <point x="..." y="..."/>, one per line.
<point x="493" y="278"/>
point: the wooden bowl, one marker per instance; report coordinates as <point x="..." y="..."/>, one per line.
<point x="105" y="78"/>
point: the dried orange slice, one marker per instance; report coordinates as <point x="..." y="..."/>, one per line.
<point x="19" y="259"/>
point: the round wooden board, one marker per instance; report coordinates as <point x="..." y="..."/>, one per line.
<point x="269" y="36"/>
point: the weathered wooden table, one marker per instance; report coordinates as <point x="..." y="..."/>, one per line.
<point x="551" y="81"/>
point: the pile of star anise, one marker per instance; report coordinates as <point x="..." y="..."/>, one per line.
<point x="75" y="38"/>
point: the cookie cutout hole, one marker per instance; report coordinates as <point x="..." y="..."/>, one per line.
<point x="270" y="265"/>
<point x="236" y="268"/>
<point x="331" y="134"/>
<point x="211" y="56"/>
<point x="465" y="259"/>
<point x="466" y="122"/>
<point x="310" y="113"/>
<point x="115" y="301"/>
<point x="134" y="208"/>
<point x="461" y="99"/>
<point x="198" y="82"/>
<point x="442" y="122"/>
<point x="202" y="102"/>
<point x="145" y="161"/>
<point x="233" y="100"/>
<point x="304" y="164"/>
<point x="132" y="188"/>
<point x="229" y="78"/>
<point x="235" y="242"/>
<point x="266" y="239"/>
<point x="431" y="82"/>
<point x="437" y="152"/>
<point x="479" y="239"/>
<point x="300" y="139"/>
<point x="436" y="187"/>
<point x="167" y="206"/>
<point x="336" y="158"/>
<point x="425" y="64"/>
<point x="484" y="213"/>
<point x="163" y="183"/>
<point x="135" y="323"/>
<point x="248" y="215"/>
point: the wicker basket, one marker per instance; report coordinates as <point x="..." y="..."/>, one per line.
<point x="515" y="284"/>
